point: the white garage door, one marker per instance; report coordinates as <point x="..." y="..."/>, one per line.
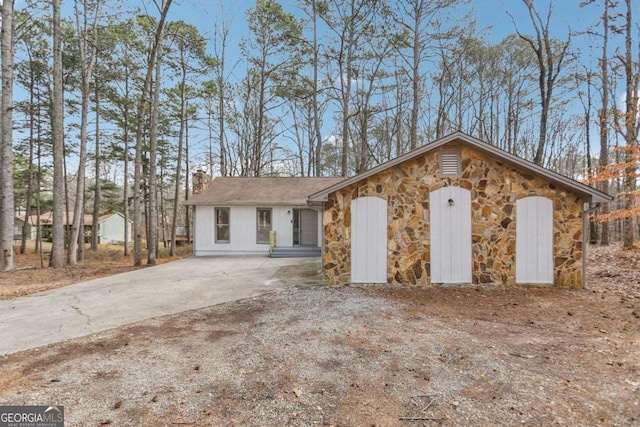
<point x="450" y="227"/>
<point x="534" y="240"/>
<point x="369" y="240"/>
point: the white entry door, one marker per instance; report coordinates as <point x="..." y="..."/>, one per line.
<point x="534" y="240"/>
<point x="450" y="227"/>
<point x="369" y="240"/>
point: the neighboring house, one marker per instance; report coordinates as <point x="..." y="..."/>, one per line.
<point x="111" y="228"/>
<point x="17" y="229"/>
<point x="457" y="210"/>
<point x="237" y="215"/>
<point x="46" y="224"/>
<point x="181" y="235"/>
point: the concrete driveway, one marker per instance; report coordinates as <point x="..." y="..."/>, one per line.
<point x="86" y="308"/>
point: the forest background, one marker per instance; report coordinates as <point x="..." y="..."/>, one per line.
<point x="111" y="106"/>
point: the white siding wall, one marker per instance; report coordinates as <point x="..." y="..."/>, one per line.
<point x="283" y="225"/>
<point x="32" y="231"/>
<point x="203" y="223"/>
<point x="17" y="230"/>
<point x="242" y="222"/>
<point x="112" y="229"/>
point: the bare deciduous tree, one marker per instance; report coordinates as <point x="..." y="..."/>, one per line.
<point x="631" y="125"/>
<point x="551" y="56"/>
<point x="418" y="19"/>
<point x="603" y="115"/>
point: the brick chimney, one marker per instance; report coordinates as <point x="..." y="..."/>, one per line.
<point x="201" y="181"/>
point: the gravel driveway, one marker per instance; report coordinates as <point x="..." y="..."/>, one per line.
<point x="313" y="355"/>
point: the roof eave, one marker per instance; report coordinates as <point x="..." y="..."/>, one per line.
<point x="322" y="195"/>
<point x="291" y="203"/>
<point x="588" y="194"/>
<point x="599" y="198"/>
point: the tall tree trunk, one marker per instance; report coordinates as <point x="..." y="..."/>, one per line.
<point x="593" y="227"/>
<point x="604" y="118"/>
<point x="259" y="138"/>
<point x="415" y="79"/>
<point x="38" y="248"/>
<point x="176" y="195"/>
<point x="152" y="237"/>
<point x="632" y="78"/>
<point x="345" y="86"/>
<point x="57" y="249"/>
<point x="316" y="109"/>
<point x="81" y="238"/>
<point x="224" y="168"/>
<point x="87" y="60"/>
<point x="187" y="212"/>
<point x="67" y="220"/>
<point x="125" y="190"/>
<point x="163" y="211"/>
<point x="26" y="225"/>
<point x="97" y="193"/>
<point x="142" y="108"/>
<point x="7" y="209"/>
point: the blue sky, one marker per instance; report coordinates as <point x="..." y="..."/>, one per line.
<point x="493" y="14"/>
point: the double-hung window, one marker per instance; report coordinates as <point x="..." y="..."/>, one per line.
<point x="263" y="222"/>
<point x="223" y="234"/>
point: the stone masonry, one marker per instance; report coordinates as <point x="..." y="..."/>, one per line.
<point x="495" y="187"/>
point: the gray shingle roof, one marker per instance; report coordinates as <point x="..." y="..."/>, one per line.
<point x="265" y="191"/>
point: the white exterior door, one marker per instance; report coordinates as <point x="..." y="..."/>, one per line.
<point x="450" y="226"/>
<point x="368" y="240"/>
<point x="534" y="240"/>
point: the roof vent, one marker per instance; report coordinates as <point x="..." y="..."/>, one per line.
<point x="450" y="162"/>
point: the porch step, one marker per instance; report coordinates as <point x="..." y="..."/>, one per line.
<point x="296" y="252"/>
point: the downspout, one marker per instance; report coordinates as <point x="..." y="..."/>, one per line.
<point x="585" y="243"/>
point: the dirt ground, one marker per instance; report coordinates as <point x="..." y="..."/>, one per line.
<point x="360" y="356"/>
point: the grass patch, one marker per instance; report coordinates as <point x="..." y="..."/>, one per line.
<point x="181" y="251"/>
<point x="105" y="253"/>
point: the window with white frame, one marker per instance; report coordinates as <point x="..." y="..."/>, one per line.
<point x="263" y="222"/>
<point x="223" y="234"/>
